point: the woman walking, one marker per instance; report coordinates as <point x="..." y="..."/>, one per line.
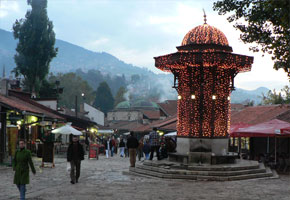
<point x="122" y="147"/>
<point x="20" y="164"/>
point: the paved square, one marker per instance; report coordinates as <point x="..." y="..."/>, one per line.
<point x="107" y="179"/>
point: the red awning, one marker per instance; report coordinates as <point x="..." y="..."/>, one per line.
<point x="285" y="131"/>
<point x="235" y="127"/>
<point x="266" y="129"/>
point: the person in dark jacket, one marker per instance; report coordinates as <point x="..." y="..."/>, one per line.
<point x="147" y="149"/>
<point x="108" y="146"/>
<point x="75" y="154"/>
<point x="132" y="145"/>
<point x="122" y="147"/>
<point x="22" y="159"/>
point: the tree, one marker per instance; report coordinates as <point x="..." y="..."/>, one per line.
<point x="274" y="97"/>
<point x="135" y="78"/>
<point x="73" y="86"/>
<point x="120" y="96"/>
<point x="266" y="23"/>
<point x="104" y="98"/>
<point x="48" y="90"/>
<point x="35" y="48"/>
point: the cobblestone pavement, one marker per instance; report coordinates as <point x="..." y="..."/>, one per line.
<point x="107" y="179"/>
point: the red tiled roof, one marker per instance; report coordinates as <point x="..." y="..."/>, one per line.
<point x="124" y="125"/>
<point x="284" y="116"/>
<point x="21" y="105"/>
<point x="151" y="114"/>
<point x="258" y="114"/>
<point x="237" y="106"/>
<point x="169" y="107"/>
<point x="157" y="124"/>
<point x="166" y="121"/>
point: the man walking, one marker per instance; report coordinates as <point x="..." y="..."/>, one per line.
<point x="154" y="143"/>
<point x="75" y="154"/>
<point x="132" y="145"/>
<point x="20" y="164"/>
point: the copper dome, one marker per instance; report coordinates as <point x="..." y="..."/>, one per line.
<point x="205" y="34"/>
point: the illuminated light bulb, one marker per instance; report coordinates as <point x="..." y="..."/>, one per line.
<point x="179" y="97"/>
<point x="213" y="97"/>
<point x="192" y="96"/>
<point x="229" y="98"/>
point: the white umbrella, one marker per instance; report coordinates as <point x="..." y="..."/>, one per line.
<point x="66" y="130"/>
<point x="127" y="133"/>
<point x="171" y="134"/>
<point x="105" y="131"/>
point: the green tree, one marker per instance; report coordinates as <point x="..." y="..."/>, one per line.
<point x="73" y="86"/>
<point x="135" y="78"/>
<point x="272" y="97"/>
<point x="120" y="96"/>
<point x="35" y="48"/>
<point x="262" y="22"/>
<point x="48" y="89"/>
<point x="104" y="98"/>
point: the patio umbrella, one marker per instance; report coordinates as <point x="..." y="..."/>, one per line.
<point x="235" y="127"/>
<point x="171" y="134"/>
<point x="285" y="131"/>
<point x="265" y="129"/>
<point x="66" y="130"/>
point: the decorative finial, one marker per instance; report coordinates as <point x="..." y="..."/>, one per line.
<point x="204" y="16"/>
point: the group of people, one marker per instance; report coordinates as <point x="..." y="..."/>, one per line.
<point x="110" y="146"/>
<point x="148" y="146"/>
<point x="75" y="154"/>
<point x="22" y="160"/>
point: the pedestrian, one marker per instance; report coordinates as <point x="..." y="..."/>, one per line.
<point x="22" y="159"/>
<point x="108" y="146"/>
<point x="140" y="149"/>
<point x="154" y="143"/>
<point x="132" y="145"/>
<point x="75" y="154"/>
<point x="113" y="142"/>
<point x="122" y="147"/>
<point x="146" y="149"/>
<point x="126" y="149"/>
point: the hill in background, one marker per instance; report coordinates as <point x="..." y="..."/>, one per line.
<point x="96" y="67"/>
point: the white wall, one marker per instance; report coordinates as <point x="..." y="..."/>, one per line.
<point x="48" y="103"/>
<point x="124" y="115"/>
<point x="94" y="114"/>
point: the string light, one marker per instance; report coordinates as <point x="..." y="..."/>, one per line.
<point x="229" y="98"/>
<point x="205" y="68"/>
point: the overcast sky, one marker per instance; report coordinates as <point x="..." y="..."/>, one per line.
<point x="135" y="31"/>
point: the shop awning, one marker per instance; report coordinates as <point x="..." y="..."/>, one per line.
<point x="285" y="131"/>
<point x="235" y="127"/>
<point x="266" y="129"/>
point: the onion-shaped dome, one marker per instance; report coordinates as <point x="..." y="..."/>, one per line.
<point x="123" y="105"/>
<point x="144" y="104"/>
<point x="205" y="34"/>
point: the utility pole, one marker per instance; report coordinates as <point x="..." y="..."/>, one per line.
<point x="76" y="106"/>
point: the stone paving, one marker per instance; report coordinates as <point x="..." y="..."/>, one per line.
<point x="109" y="179"/>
